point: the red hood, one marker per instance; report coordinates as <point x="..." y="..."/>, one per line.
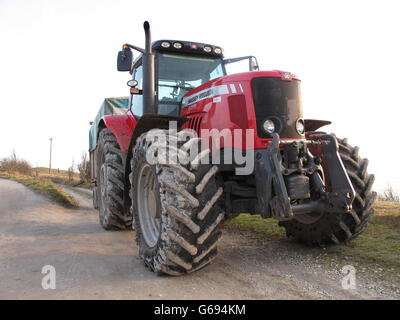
<point x="245" y="76"/>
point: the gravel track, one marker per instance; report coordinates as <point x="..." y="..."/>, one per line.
<point x="92" y="263"/>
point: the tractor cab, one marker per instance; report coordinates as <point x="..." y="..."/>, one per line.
<point x="178" y="67"/>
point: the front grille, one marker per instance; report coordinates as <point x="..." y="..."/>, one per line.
<point x="194" y="123"/>
<point x="278" y="101"/>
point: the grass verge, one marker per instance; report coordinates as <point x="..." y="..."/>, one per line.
<point x="43" y="186"/>
<point x="61" y="177"/>
<point x="376" y="249"/>
<point x="260" y="228"/>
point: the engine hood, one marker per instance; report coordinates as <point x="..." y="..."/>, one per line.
<point x="237" y="77"/>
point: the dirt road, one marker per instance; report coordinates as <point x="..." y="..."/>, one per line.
<point x="91" y="263"/>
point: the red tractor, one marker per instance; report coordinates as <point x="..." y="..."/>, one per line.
<point x="315" y="184"/>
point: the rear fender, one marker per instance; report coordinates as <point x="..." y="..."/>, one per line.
<point x="122" y="126"/>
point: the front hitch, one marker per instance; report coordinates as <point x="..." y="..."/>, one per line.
<point x="273" y="199"/>
<point x="272" y="193"/>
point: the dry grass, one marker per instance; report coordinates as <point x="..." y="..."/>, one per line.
<point x="386" y="208"/>
<point x="60" y="177"/>
<point x="43" y="186"/>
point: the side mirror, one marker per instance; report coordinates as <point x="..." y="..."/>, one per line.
<point x="124" y="60"/>
<point x="253" y="64"/>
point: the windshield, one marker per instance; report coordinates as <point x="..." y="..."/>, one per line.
<point x="178" y="74"/>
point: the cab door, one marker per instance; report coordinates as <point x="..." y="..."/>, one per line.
<point x="136" y="100"/>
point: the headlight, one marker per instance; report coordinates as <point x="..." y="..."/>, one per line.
<point x="269" y="126"/>
<point x="300" y="126"/>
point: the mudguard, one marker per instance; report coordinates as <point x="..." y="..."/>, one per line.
<point x="122" y="126"/>
<point x="127" y="128"/>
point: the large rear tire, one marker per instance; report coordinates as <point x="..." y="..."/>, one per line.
<point x="176" y="209"/>
<point x="323" y="229"/>
<point x="110" y="184"/>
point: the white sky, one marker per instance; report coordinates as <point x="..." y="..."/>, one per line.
<point x="58" y="63"/>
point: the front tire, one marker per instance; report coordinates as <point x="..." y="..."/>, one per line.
<point x="324" y="229"/>
<point x="177" y="212"/>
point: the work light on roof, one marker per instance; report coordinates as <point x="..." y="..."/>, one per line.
<point x="178" y="45"/>
<point x="286" y="76"/>
<point x="165" y="44"/>
<point x="207" y="49"/>
<point x="218" y="50"/>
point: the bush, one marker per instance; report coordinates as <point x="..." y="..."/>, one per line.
<point x="389" y="194"/>
<point x="71" y="172"/>
<point x="84" y="168"/>
<point x="14" y="165"/>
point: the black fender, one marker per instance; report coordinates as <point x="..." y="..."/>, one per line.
<point x="314" y="125"/>
<point x="146" y="123"/>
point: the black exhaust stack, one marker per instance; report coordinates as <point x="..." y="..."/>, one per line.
<point x="148" y="74"/>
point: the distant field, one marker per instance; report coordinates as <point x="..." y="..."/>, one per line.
<point x="54" y="172"/>
<point x="59" y="176"/>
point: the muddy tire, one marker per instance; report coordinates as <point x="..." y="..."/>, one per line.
<point x="183" y="201"/>
<point x="110" y="185"/>
<point x="339" y="228"/>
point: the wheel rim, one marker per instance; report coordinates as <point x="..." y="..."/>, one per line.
<point x="147" y="203"/>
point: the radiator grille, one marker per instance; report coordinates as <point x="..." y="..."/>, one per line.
<point x="194" y="123"/>
<point x="278" y="101"/>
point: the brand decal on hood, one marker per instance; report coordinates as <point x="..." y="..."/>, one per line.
<point x="205" y="94"/>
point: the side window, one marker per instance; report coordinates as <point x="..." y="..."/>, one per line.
<point x="137" y="99"/>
